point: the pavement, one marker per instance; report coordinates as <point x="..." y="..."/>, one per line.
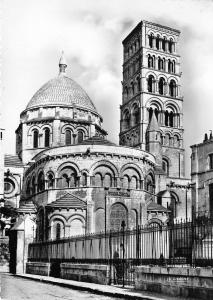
<point x="107" y="290"/>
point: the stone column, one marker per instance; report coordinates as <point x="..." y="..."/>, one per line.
<point x="156" y="86"/>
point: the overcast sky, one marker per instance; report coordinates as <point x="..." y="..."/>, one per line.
<point x="90" y="32"/>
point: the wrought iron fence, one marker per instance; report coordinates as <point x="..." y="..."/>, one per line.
<point x="178" y="243"/>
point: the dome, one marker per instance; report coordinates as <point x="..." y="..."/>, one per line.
<point x="61" y="91"/>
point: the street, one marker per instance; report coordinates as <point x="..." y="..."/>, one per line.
<point x="14" y="288"/>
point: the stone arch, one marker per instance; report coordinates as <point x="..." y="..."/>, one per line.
<point x="55" y="231"/>
<point x="151" y="84"/>
<point x="155" y="221"/>
<point x="155" y="102"/>
<point x="33" y="127"/>
<point x="176" y="140"/>
<point x="151" y="73"/>
<point x="167" y="139"/>
<point x="40" y="181"/>
<point x="150" y="181"/>
<point x="173" y="87"/>
<point x="118" y="213"/>
<point x="162" y="85"/>
<point x="125" y="119"/>
<point x="67" y="164"/>
<point x="135" y="114"/>
<point x="132" y="166"/>
<point x="172" y="106"/>
<point x="105" y="163"/>
<point x="77" y="225"/>
<point x="67" y="126"/>
<point x="165" y="165"/>
<point x="50" y="179"/>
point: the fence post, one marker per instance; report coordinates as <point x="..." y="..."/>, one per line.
<point x="123" y="235"/>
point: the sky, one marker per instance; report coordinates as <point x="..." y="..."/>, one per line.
<point x="90" y="32"/>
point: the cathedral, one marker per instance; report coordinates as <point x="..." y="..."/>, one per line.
<point x="69" y="178"/>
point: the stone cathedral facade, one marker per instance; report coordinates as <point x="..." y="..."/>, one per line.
<point x="75" y="180"/>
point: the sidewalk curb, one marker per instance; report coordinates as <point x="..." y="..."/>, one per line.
<point x="93" y="290"/>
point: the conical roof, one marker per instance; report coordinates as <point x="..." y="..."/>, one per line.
<point x="153" y="124"/>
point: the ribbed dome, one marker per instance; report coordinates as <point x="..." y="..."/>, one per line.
<point x="61" y="91"/>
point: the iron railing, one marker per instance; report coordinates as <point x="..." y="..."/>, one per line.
<point x="182" y="242"/>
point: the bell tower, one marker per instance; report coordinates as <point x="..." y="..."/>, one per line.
<point x="151" y="85"/>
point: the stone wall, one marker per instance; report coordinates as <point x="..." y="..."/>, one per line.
<point x="85" y="272"/>
<point x="176" y="281"/>
<point x="38" y="268"/>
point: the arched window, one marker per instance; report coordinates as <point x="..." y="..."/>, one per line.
<point x="126" y="93"/>
<point x="166" y="118"/>
<point x="35" y="138"/>
<point x="176" y="141"/>
<point x="125" y="182"/>
<point x="173" y="206"/>
<point x="126" y="120"/>
<point x="134" y="183"/>
<point x="135" y="116"/>
<point x="151" y="84"/>
<point x="158" y="42"/>
<point x="58" y="231"/>
<point x="151" y="37"/>
<point x="164" y="44"/>
<point x="165" y="166"/>
<point x="68" y="137"/>
<point x="73" y="179"/>
<point x="41" y="182"/>
<point x="150" y="61"/>
<point x="46" y="137"/>
<point x="107" y="180"/>
<point x="167" y="139"/>
<point x="160" y="64"/>
<point x="84" y="179"/>
<point x="171" y="46"/>
<point x="65" y="181"/>
<point x="98" y="179"/>
<point x="150" y="183"/>
<point x="172" y="88"/>
<point x="50" y="181"/>
<point x="161" y="86"/>
<point x="171" y="66"/>
<point x="80" y="136"/>
<point x="171" y="119"/>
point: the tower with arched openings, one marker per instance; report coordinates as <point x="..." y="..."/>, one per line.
<point x="151" y="84"/>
